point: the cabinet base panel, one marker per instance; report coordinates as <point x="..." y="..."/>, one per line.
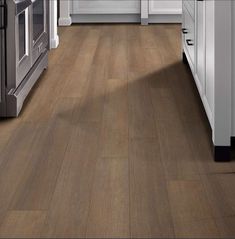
<point x="222" y="153"/>
<point x="184" y="58"/>
<point x="233" y="142"/>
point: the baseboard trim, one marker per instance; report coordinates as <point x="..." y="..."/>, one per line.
<point x="65" y="21"/>
<point x="105" y="18"/>
<point x="54" y="43"/>
<point x="126" y="18"/>
<point x="144" y="21"/>
<point x="165" y="18"/>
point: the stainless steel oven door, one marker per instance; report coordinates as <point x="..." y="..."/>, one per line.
<point x="23" y="47"/>
<point x="39" y="27"/>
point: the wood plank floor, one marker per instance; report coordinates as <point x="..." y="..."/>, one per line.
<point x="113" y="142"/>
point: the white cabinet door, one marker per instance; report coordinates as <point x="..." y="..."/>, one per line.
<point x="165" y="7"/>
<point x="106" y="6"/>
<point x="200" y="46"/>
<point x="204" y="54"/>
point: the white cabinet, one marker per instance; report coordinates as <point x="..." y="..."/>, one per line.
<point x="106" y="7"/>
<point x="165" y="7"/>
<point x="189" y="36"/>
<point x="207" y="44"/>
<point x="125" y="6"/>
<point x="205" y="84"/>
<point x="200" y="47"/>
<point x="194" y="45"/>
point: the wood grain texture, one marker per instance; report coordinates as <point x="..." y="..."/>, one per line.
<point x="191" y="211"/>
<point x="141" y="114"/>
<point x="188" y="200"/>
<point x="206" y="228"/>
<point x="118" y="62"/>
<point x="115" y="119"/>
<point x="109" y="207"/>
<point x="221" y="193"/>
<point x="22" y="224"/>
<point x="226" y="226"/>
<point x="67" y="216"/>
<point x="15" y="158"/>
<point x="113" y="142"/>
<point x="38" y="184"/>
<point x="150" y="211"/>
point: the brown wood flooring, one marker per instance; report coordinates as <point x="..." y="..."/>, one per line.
<point x="113" y="142"/>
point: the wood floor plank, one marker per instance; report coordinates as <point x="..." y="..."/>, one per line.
<point x="77" y="77"/>
<point x="115" y="120"/>
<point x="188" y="201"/>
<point x="136" y="60"/>
<point x="93" y="99"/>
<point x="149" y="206"/>
<point x="109" y="209"/>
<point x="66" y="54"/>
<point x="141" y="114"/>
<point x="220" y="193"/>
<point x="118" y="62"/>
<point x="191" y="210"/>
<point x="22" y="224"/>
<point x="14" y="161"/>
<point x="167" y="50"/>
<point x="226" y="227"/>
<point x="38" y="184"/>
<point x="39" y="106"/>
<point x="179" y="162"/>
<point x="189" y="104"/>
<point x="147" y="37"/>
<point x="68" y="214"/>
<point x="206" y="228"/>
<point x="7" y="129"/>
<point x="173" y="33"/>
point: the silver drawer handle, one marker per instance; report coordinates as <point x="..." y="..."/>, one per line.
<point x="184" y="31"/>
<point x="189" y="42"/>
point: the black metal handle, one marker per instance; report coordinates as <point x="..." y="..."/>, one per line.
<point x="189" y="42"/>
<point x="3" y="8"/>
<point x="184" y="31"/>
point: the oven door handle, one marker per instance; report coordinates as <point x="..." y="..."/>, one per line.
<point x="3" y="9"/>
